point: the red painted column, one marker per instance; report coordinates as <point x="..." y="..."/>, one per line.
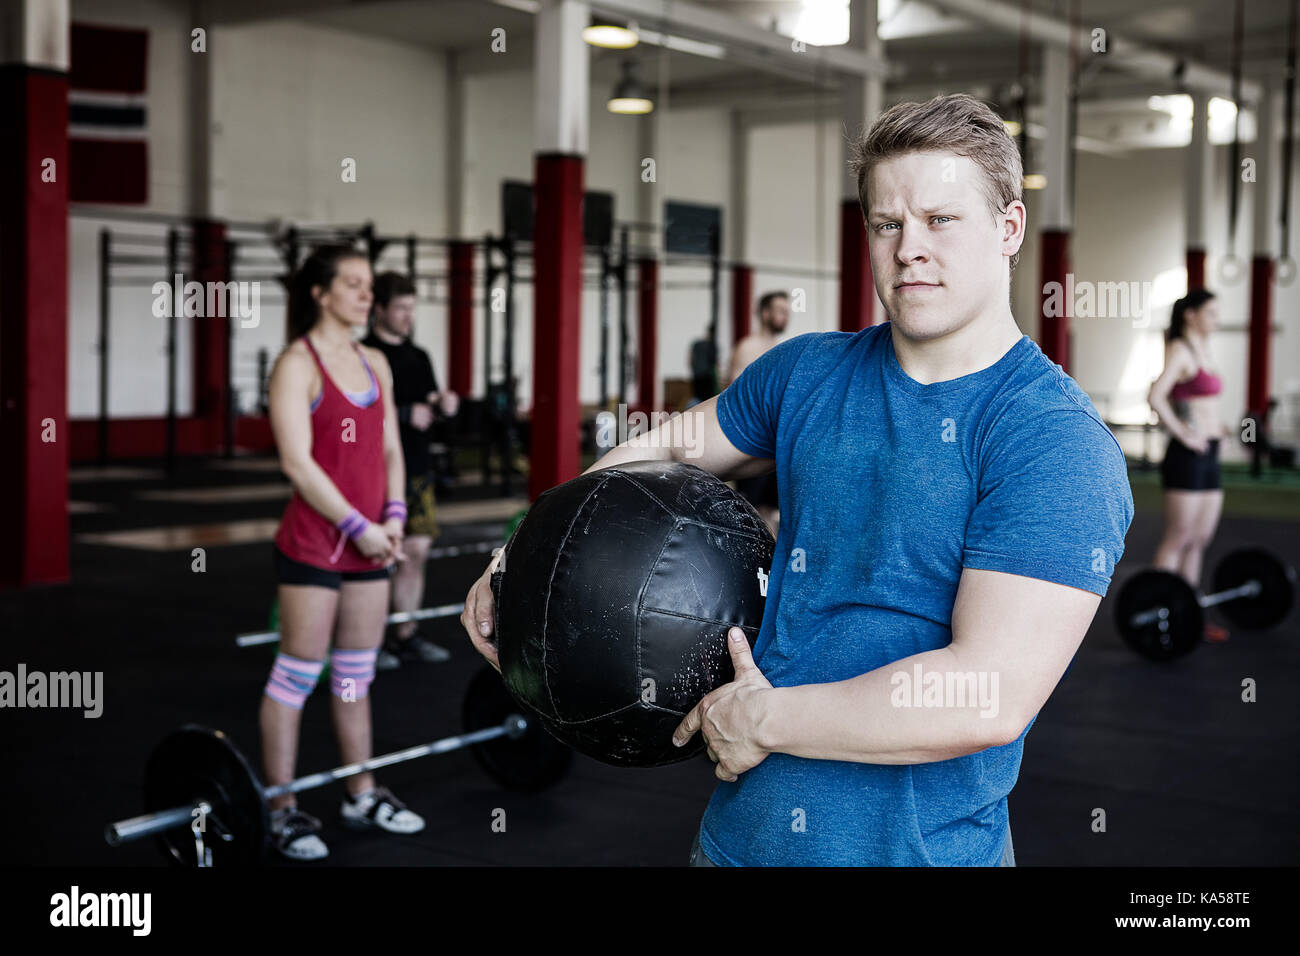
<point x="857" y="295"/>
<point x="1054" y="331"/>
<point x="647" y="368"/>
<point x="1259" y="337"/>
<point x="210" y="264"/>
<point x="557" y="320"/>
<point x="1195" y="269"/>
<point x="460" y="318"/>
<point x="34" y="431"/>
<point x="742" y="302"/>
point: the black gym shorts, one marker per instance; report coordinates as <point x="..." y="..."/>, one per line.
<point x="289" y="571"/>
<point x="1185" y="470"/>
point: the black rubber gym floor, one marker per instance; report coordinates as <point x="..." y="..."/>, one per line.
<point x="1184" y="771"/>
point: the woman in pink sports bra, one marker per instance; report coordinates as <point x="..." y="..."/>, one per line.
<point x="1186" y="398"/>
<point x="336" y="431"/>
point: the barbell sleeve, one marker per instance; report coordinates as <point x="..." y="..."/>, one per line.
<point x="1249" y="589"/>
<point x="400" y="617"/>
<point x="1149" y="616"/>
<point x="149" y="824"/>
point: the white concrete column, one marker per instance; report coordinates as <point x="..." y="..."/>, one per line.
<point x="1267" y="157"/>
<point x="649" y="197"/>
<point x="455" y="148"/>
<point x="35" y="33"/>
<point x="200" y="189"/>
<point x="737" y="213"/>
<point x="862" y="97"/>
<point x="1055" y="198"/>
<point x="561" y="70"/>
<point x="1197" y="194"/>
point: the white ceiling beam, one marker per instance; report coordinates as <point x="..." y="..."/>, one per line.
<point x="245" y="11"/>
<point x="1123" y="54"/>
<point x="701" y="23"/>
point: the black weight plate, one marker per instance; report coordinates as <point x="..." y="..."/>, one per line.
<point x="198" y="763"/>
<point x="1272" y="604"/>
<point x="1186" y="622"/>
<point x="529" y="763"/>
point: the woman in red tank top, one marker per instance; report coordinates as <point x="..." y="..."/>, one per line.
<point x="1186" y="399"/>
<point x="336" y="431"/>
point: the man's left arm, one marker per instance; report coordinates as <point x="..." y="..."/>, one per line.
<point x="1039" y="550"/>
<point x="1013" y="637"/>
<point x="428" y="379"/>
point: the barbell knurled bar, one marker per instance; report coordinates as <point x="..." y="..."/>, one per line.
<point x="400" y="617"/>
<point x="1251" y="588"/>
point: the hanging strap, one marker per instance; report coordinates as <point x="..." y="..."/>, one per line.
<point x="1287" y="145"/>
<point x="1234" y="167"/>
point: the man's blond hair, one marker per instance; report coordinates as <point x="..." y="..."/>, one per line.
<point x="954" y="123"/>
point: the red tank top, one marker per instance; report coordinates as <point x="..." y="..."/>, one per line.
<point x="347" y="441"/>
<point x="1203" y="383"/>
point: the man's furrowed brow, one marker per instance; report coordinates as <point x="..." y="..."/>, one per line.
<point x="950" y="206"/>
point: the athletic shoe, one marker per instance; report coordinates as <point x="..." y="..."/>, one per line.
<point x="1215" y="634"/>
<point x="416" y="649"/>
<point x="293" y="833"/>
<point x="379" y="808"/>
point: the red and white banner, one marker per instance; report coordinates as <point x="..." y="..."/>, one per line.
<point x="108" y="149"/>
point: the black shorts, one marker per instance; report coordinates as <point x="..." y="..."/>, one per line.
<point x="289" y="571"/>
<point x="759" y="491"/>
<point x="1185" y="470"/>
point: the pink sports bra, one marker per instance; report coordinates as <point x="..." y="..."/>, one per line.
<point x="1204" y="383"/>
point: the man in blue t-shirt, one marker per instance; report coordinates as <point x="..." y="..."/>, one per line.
<point x="952" y="509"/>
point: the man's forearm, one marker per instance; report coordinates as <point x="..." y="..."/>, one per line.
<point x="642" y="448"/>
<point x="884" y="718"/>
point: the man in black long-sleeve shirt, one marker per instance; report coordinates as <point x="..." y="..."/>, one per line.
<point x="419" y="401"/>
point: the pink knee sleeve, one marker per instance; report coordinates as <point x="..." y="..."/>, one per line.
<point x="351" y="673"/>
<point x="292" y="680"/>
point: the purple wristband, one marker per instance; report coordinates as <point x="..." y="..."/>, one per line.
<point x="353" y="524"/>
<point x="395" y="509"/>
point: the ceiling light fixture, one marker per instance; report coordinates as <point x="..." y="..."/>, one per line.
<point x="630" y="98"/>
<point x="610" y="37"/>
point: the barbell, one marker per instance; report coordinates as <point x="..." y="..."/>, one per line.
<point x="254" y="638"/>
<point x="1160" y="616"/>
<point x="196" y="779"/>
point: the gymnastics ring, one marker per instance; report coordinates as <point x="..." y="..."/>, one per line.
<point x="1286" y="272"/>
<point x="1231" y="270"/>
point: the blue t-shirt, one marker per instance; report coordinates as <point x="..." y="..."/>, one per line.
<point x="888" y="489"/>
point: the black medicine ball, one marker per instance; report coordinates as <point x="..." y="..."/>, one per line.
<point x="614" y="600"/>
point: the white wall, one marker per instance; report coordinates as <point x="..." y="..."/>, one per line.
<point x="793" y="218"/>
<point x="691" y="166"/>
<point x="1130" y="227"/>
<point x="137" y="369"/>
<point x="292" y="100"/>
